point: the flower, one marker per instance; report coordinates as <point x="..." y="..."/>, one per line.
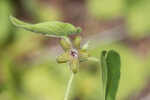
<point x="74" y="53"/>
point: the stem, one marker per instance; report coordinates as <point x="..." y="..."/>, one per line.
<point x="69" y="87"/>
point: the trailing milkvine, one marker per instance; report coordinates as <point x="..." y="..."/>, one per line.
<point x="75" y="53"/>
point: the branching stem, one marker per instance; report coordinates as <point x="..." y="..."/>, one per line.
<point x="69" y="87"/>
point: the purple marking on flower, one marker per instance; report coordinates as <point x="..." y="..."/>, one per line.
<point x="74" y="53"/>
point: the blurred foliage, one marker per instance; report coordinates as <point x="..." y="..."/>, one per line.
<point x="135" y="12"/>
<point x="28" y="70"/>
<point x="41" y="11"/>
<point x="106" y="8"/>
<point x="6" y="30"/>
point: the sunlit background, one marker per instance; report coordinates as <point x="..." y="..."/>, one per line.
<point x="28" y="70"/>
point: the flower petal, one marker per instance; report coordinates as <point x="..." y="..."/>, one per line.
<point x="83" y="55"/>
<point x="85" y="46"/>
<point x="63" y="58"/>
<point x="74" y="65"/>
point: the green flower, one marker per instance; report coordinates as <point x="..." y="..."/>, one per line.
<point x="74" y="53"/>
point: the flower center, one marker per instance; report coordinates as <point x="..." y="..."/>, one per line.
<point x="74" y="53"/>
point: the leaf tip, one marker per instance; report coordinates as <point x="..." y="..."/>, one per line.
<point x="113" y="52"/>
<point x="12" y="19"/>
<point x="16" y="21"/>
<point x="79" y="30"/>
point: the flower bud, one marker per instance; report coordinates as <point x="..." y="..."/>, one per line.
<point x="77" y="42"/>
<point x="65" y="43"/>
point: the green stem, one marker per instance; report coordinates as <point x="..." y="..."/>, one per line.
<point x="69" y="87"/>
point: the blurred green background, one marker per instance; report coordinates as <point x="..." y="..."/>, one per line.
<point x="28" y="70"/>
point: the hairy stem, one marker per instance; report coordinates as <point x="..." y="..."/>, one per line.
<point x="69" y="87"/>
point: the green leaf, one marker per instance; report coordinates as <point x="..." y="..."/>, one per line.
<point x="113" y="65"/>
<point x="52" y="28"/>
<point x="104" y="72"/>
<point x="110" y="69"/>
